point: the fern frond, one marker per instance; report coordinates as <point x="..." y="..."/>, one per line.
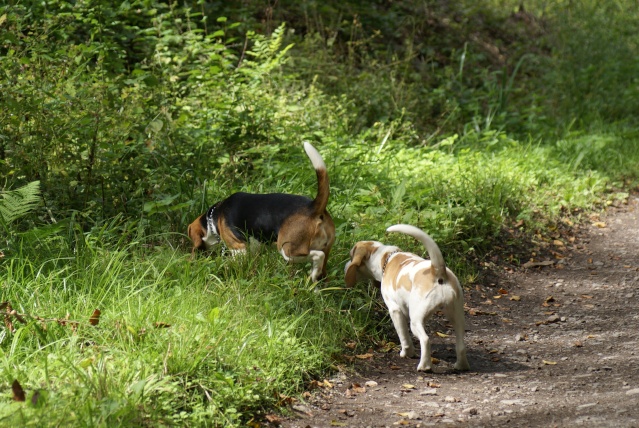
<point x="17" y="203"/>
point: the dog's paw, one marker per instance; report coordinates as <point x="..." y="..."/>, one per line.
<point x="425" y="368"/>
<point x="407" y="353"/>
<point x="462" y="366"/>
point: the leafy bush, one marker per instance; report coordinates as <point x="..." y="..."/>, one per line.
<point x="134" y="118"/>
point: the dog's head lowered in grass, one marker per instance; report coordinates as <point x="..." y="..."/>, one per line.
<point x="413" y="289"/>
<point x="302" y="227"/>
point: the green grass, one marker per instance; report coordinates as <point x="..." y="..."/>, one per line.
<point x="218" y="341"/>
<point x="215" y="340"/>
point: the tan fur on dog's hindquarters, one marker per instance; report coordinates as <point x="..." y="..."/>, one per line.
<point x="413" y="289"/>
<point x="301" y="227"/>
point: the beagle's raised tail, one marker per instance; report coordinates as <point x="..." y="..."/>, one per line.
<point x="436" y="257"/>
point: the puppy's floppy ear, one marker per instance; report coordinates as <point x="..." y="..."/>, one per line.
<point x="359" y="255"/>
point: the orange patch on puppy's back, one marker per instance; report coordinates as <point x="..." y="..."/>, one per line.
<point x="398" y="271"/>
<point x="425" y="280"/>
<point x="403" y="281"/>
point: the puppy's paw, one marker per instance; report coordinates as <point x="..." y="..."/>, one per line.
<point x="407" y="353"/>
<point x="422" y="367"/>
<point x="462" y="365"/>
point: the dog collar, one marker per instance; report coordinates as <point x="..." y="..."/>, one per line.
<point x="210" y="225"/>
<point x="387" y="259"/>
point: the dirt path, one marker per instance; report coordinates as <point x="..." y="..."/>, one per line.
<point x="560" y="349"/>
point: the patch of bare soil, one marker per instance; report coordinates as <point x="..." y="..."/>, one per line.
<point x="549" y="346"/>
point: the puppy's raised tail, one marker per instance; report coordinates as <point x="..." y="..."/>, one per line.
<point x="321" y="200"/>
<point x="436" y="258"/>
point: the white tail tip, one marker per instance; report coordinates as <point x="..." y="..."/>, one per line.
<point x="314" y="156"/>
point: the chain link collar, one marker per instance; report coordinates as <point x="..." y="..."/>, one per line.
<point x="387" y="259"/>
<point x="210" y="225"/>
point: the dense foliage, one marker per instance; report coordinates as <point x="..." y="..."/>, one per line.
<point x="120" y="122"/>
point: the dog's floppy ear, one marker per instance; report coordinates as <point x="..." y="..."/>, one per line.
<point x="196" y="233"/>
<point x="360" y="254"/>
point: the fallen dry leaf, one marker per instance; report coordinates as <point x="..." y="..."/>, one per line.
<point x="408" y="386"/>
<point x="530" y="264"/>
<point x="18" y="392"/>
<point x="35" y="397"/>
<point x="95" y="318"/>
<point x="434" y="384"/>
<point x="558" y="243"/>
<point x="388" y="346"/>
<point x="441" y="334"/>
<point x="502" y="291"/>
<point x="476" y="312"/>
<point x="274" y="419"/>
<point x="409" y="415"/>
<point x="358" y="388"/>
<point x="434" y="360"/>
<point x="549" y="363"/>
<point x="599" y="224"/>
<point x="285" y="399"/>
<point x="515" y="298"/>
<point x="364" y="356"/>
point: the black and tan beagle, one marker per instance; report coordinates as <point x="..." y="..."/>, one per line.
<point x="301" y="226"/>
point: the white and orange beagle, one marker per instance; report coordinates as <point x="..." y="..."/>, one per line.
<point x="413" y="289"/>
<point x="301" y="226"/>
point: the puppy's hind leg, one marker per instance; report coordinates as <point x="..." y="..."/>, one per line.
<point x="401" y="327"/>
<point x="455" y="314"/>
<point x="417" y="327"/>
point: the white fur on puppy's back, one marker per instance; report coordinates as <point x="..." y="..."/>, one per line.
<point x="314" y="156"/>
<point x="436" y="257"/>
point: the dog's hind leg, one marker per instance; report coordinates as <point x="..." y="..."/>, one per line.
<point x="401" y="327"/>
<point x="455" y="314"/>
<point x="417" y="327"/>
<point x="318" y="260"/>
